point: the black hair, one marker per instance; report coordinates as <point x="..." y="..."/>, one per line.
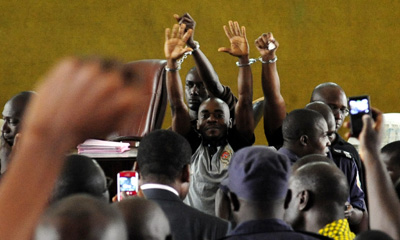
<point x="162" y="154"/>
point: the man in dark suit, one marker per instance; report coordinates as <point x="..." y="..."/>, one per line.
<point x="163" y="164"/>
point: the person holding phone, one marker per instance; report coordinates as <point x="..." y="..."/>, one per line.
<point x="328" y="93"/>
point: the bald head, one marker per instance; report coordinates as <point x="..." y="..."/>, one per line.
<point x="213" y="119"/>
<point x="318" y="192"/>
<point x="310" y="159"/>
<point x="81" y="217"/>
<point x="327" y="113"/>
<point x="81" y="174"/>
<point x="144" y="219"/>
<point x="334" y="96"/>
<point x="326" y="181"/>
<point x="13" y="114"/>
<point x="305" y="132"/>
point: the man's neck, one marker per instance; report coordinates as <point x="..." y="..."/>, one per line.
<point x="193" y="114"/>
<point x="319" y="218"/>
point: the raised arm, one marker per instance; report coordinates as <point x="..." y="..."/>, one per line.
<point x="64" y="113"/>
<point x="240" y="48"/>
<point x="204" y="68"/>
<point x="384" y="206"/>
<point x="274" y="104"/>
<point x="174" y="48"/>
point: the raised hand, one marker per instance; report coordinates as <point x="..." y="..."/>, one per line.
<point x="175" y="42"/>
<point x="190" y="24"/>
<point x="237" y="37"/>
<point x="371" y="135"/>
<point x="266" y="45"/>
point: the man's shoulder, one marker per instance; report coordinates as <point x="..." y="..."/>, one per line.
<point x="342" y="153"/>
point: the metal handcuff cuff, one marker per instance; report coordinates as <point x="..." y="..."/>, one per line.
<point x="180" y="61"/>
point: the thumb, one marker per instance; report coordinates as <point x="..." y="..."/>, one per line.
<point x="176" y="16"/>
<point x="224" y="49"/>
<point x="367" y="123"/>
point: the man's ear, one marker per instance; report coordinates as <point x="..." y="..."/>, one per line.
<point x="288" y="198"/>
<point x="305" y="200"/>
<point x="185" y="176"/>
<point x="198" y="124"/>
<point x="304" y="140"/>
<point x="135" y="167"/>
<point x="230" y="124"/>
<point x="234" y="201"/>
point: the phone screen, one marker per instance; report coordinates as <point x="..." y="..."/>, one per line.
<point x="358" y="106"/>
<point x="127" y="184"/>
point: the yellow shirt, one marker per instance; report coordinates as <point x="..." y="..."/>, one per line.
<point x="338" y="230"/>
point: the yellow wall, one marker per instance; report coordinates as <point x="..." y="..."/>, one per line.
<point x="352" y="43"/>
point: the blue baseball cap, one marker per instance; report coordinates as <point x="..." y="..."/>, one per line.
<point x="258" y="173"/>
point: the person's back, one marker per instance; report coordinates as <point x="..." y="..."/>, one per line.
<point x="144" y="219"/>
<point x="257" y="189"/>
<point x="81" y="217"/>
<point x="163" y="164"/>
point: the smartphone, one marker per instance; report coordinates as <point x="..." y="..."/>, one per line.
<point x="358" y="106"/>
<point x="128" y="184"/>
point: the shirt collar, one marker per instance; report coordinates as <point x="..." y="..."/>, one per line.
<point x="158" y="186"/>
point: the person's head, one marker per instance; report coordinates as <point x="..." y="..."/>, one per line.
<point x="317" y="192"/>
<point x="258" y="180"/>
<point x="80" y="174"/>
<point x="334" y="96"/>
<point x="390" y="154"/>
<point x="164" y="157"/>
<point x="81" y="217"/>
<point x="310" y="159"/>
<point x="327" y="113"/>
<point x="144" y="219"/>
<point x="305" y="132"/>
<point x="13" y="114"/>
<point x="214" y="119"/>
<point x="195" y="90"/>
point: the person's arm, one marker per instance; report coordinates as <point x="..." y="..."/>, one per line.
<point x="274" y="104"/>
<point x="384" y="206"/>
<point x="204" y="67"/>
<point x="244" y="107"/>
<point x="174" y="48"/>
<point x="64" y="113"/>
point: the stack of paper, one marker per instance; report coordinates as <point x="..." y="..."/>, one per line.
<point x="100" y="146"/>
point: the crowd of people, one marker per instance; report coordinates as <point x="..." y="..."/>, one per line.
<point x="203" y="178"/>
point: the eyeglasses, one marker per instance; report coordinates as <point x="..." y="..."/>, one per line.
<point x="344" y="111"/>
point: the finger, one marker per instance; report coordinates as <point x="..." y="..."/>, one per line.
<point x="378" y="116"/>
<point x="183" y="51"/>
<point x="181" y="30"/>
<point x="187" y="35"/>
<point x="367" y="123"/>
<point x="237" y="29"/>
<point x="231" y="28"/>
<point x="167" y="33"/>
<point x="177" y="17"/>
<point x="224" y="49"/>
<point x="227" y="32"/>
<point x="244" y="31"/>
<point x="175" y="30"/>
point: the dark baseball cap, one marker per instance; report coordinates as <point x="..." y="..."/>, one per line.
<point x="258" y="173"/>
